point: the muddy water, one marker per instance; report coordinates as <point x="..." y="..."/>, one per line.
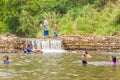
<point x="65" y="66"/>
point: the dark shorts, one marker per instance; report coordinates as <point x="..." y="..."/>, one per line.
<point x="84" y="62"/>
<point x="55" y="33"/>
<point x="46" y="32"/>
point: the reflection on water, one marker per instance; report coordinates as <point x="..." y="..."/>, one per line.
<point x="102" y="63"/>
<point x="59" y="67"/>
<point x="4" y="74"/>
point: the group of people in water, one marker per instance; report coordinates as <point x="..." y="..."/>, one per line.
<point x="27" y="50"/>
<point x="46" y="28"/>
<point x="86" y="56"/>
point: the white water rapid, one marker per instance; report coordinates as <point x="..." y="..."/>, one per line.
<point x="46" y="45"/>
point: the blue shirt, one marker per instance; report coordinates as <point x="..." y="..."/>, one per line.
<point x="7" y="62"/>
<point x="28" y="50"/>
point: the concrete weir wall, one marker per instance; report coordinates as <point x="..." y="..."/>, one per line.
<point x="10" y="44"/>
<point x="91" y="42"/>
<point x="80" y="42"/>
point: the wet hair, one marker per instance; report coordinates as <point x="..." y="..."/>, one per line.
<point x="6" y="57"/>
<point x="114" y="58"/>
<point x="29" y="45"/>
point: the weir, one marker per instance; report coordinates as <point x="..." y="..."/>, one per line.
<point x="46" y="45"/>
<point x="59" y="45"/>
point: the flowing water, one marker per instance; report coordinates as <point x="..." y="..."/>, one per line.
<point x="62" y="66"/>
<point x="46" y="45"/>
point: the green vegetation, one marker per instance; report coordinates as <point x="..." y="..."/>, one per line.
<point x="96" y="17"/>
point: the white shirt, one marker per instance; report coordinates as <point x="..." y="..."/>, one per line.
<point x="46" y="25"/>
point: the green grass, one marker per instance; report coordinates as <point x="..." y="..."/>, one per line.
<point x="91" y="21"/>
<point x="95" y="17"/>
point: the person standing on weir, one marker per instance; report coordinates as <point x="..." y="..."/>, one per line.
<point x="55" y="29"/>
<point x="46" y="27"/>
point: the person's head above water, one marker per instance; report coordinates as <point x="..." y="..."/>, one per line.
<point x="113" y="58"/>
<point x="5" y="58"/>
<point x="85" y="52"/>
<point x="29" y="46"/>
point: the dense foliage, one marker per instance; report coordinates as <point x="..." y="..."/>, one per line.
<point x="23" y="17"/>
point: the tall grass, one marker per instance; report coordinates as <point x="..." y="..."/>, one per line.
<point x="86" y="20"/>
<point x="90" y="21"/>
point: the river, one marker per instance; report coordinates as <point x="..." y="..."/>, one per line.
<point x="60" y="66"/>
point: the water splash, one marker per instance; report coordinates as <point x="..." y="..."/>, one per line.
<point x="46" y="45"/>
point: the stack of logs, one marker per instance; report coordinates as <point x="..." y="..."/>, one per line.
<point x="91" y="42"/>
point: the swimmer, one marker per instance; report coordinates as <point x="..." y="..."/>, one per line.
<point x="5" y="59"/>
<point x="85" y="57"/>
<point x="29" y="50"/>
<point x="113" y="60"/>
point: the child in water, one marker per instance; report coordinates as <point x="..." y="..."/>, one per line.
<point x="5" y="59"/>
<point x="113" y="60"/>
<point x="29" y="50"/>
<point x="85" y="57"/>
